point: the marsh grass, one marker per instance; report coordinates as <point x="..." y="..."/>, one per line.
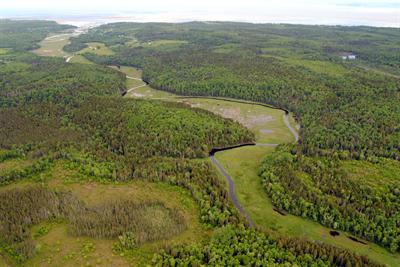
<point x="23" y="207"/>
<point x="149" y="221"/>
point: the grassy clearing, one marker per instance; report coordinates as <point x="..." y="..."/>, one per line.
<point x="13" y="164"/>
<point x="383" y="173"/>
<point x="97" y="48"/>
<point x="130" y="71"/>
<point x="226" y="48"/>
<point x="4" y="51"/>
<point x="133" y="83"/>
<point x="157" y="43"/>
<point x="266" y="123"/>
<point x="243" y="165"/>
<point x="146" y="91"/>
<point x="3" y="262"/>
<point x="150" y="93"/>
<point x="318" y="66"/>
<point x="80" y="59"/>
<point x="52" y="46"/>
<point x="59" y="248"/>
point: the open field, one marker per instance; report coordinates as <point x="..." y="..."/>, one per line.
<point x="3" y="263"/>
<point x="14" y="164"/>
<point x="52" y="47"/>
<point x="266" y="123"/>
<point x="151" y="93"/>
<point x="56" y="246"/>
<point x="385" y="172"/>
<point x="134" y="79"/>
<point x="79" y="59"/>
<point x="3" y="51"/>
<point x="97" y="48"/>
<point x="243" y="165"/>
<point x="157" y="43"/>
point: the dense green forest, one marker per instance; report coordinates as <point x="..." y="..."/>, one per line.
<point x="25" y="34"/>
<point x="240" y="247"/>
<point x="328" y="192"/>
<point x="346" y="108"/>
<point x="27" y="78"/>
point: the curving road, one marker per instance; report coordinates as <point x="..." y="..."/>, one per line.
<point x="136" y="79"/>
<point x="133" y="78"/>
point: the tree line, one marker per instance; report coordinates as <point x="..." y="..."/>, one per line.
<point x="322" y="190"/>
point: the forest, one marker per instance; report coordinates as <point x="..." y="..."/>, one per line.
<point x="56" y="113"/>
<point x="231" y="246"/>
<point x="26" y="34"/>
<point x="346" y="108"/>
<point x="324" y="190"/>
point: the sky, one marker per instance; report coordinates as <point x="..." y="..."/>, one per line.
<point x="384" y="13"/>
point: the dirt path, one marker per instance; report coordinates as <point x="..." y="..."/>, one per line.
<point x="133" y="88"/>
<point x="69" y="58"/>
<point x="136" y="87"/>
<point x="291" y="129"/>
<point x="133" y="78"/>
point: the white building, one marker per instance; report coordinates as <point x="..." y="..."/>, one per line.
<point x="348" y="56"/>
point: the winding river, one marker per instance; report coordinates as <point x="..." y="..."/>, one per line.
<point x="214" y="161"/>
<point x="228" y="178"/>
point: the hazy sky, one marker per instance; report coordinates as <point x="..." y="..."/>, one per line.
<point x="348" y="12"/>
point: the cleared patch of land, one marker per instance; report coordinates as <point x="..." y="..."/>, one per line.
<point x="266" y="123"/>
<point x="385" y="172"/>
<point x="79" y="59"/>
<point x="243" y="165"/>
<point x="3" y="51"/>
<point x="53" y="45"/>
<point x="157" y="43"/>
<point x="14" y="164"/>
<point x="97" y="48"/>
<point x="151" y="93"/>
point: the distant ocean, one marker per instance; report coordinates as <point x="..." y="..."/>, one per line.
<point x="350" y="15"/>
